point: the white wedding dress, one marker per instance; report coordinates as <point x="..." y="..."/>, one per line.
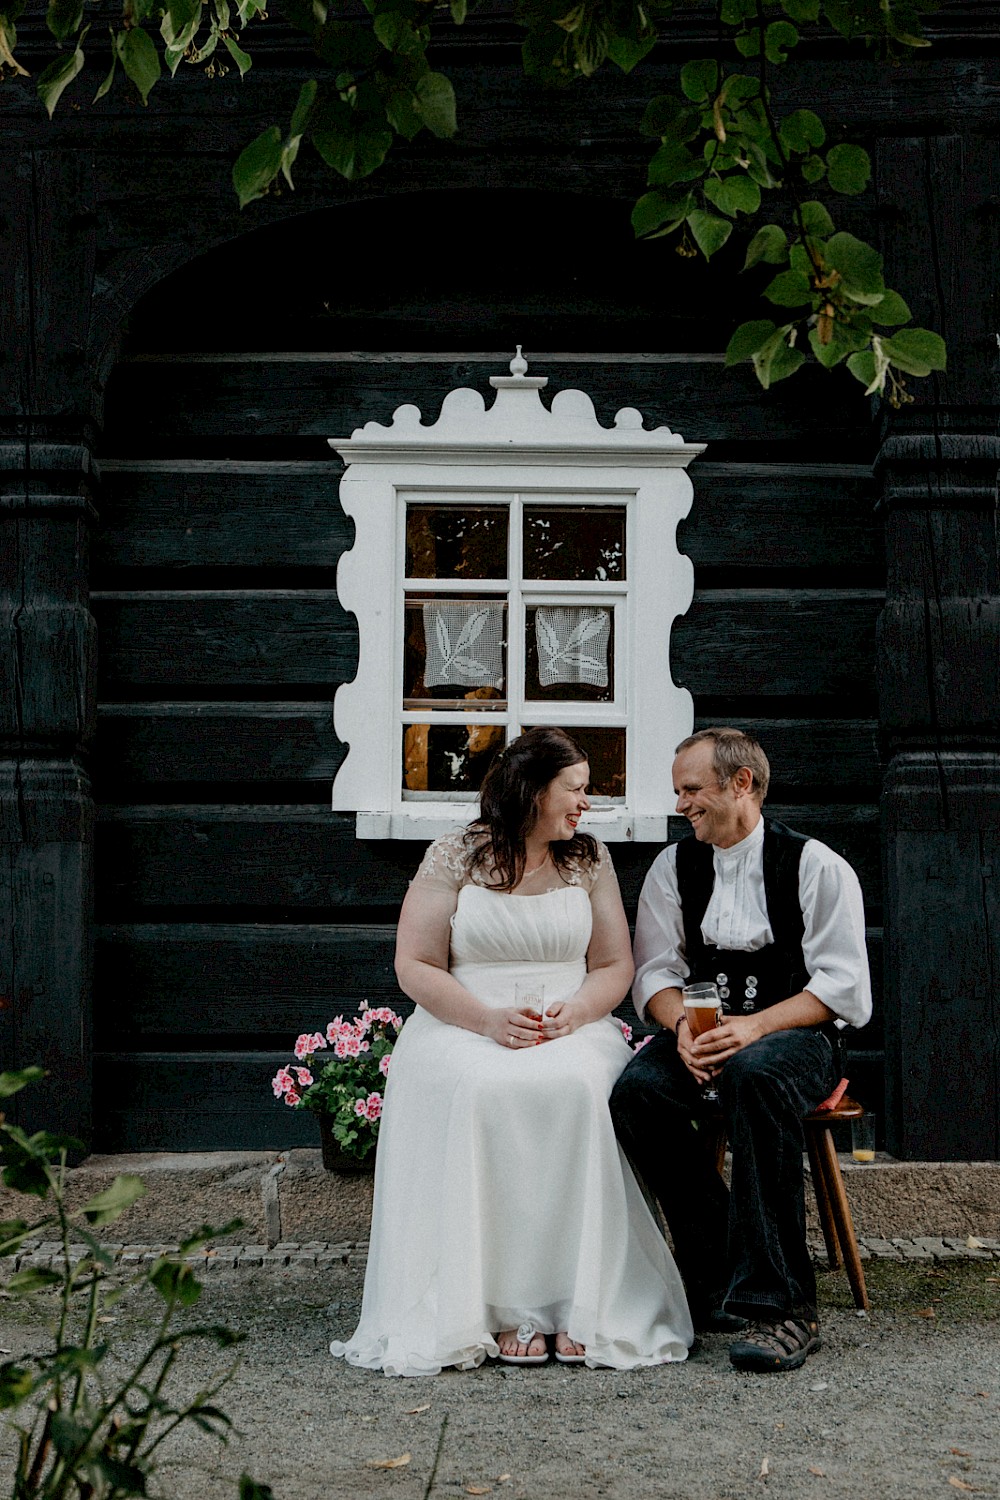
<point x="501" y="1195"/>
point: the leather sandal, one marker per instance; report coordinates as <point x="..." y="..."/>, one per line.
<point x="524" y="1334"/>
<point x="774" y="1346"/>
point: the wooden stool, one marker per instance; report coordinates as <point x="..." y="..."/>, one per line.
<point x="831" y="1199"/>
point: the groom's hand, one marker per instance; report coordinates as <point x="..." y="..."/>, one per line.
<point x="712" y="1049"/>
<point x="686" y="1044"/>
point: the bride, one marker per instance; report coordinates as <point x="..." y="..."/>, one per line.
<point x="505" y="1214"/>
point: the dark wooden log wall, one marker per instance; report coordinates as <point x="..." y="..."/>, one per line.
<point x="234" y="909"/>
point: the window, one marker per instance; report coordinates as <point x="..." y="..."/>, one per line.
<point x="512" y="567"/>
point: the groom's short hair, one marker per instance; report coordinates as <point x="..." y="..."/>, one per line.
<point x="732" y="750"/>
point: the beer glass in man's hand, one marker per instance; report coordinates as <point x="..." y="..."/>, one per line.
<point x="703" y="1012"/>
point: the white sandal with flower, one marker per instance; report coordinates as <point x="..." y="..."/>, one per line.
<point x="525" y="1346"/>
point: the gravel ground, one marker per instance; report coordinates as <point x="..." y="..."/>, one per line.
<point x="903" y="1403"/>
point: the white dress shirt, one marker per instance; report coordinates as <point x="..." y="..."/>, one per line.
<point x="833" y="942"/>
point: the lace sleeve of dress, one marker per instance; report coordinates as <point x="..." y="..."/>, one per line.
<point x="587" y="873"/>
<point x="445" y="864"/>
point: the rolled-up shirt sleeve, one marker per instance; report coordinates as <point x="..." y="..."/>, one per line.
<point x="659" y="933"/>
<point x="833" y="943"/>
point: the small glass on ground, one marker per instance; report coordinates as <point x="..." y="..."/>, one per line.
<point x="863" y="1138"/>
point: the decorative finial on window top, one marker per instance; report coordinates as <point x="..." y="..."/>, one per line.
<point x="519" y="365"/>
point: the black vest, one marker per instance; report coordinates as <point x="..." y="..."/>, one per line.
<point x="747" y="981"/>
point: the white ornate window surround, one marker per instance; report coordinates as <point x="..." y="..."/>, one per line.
<point x="469" y="654"/>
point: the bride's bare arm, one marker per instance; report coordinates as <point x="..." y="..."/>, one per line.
<point x="609" y="961"/>
<point x="422" y="952"/>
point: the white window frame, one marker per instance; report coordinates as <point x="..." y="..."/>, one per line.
<point x="516" y="450"/>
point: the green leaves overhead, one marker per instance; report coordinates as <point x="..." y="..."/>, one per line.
<point x="57" y="76"/>
<point x="105" y="1207"/>
<point x="258" y="165"/>
<point x="848" y="169"/>
<point x="709" y="231"/>
<point x="139" y="58"/>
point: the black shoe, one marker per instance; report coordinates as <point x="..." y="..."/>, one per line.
<point x="771" y="1347"/>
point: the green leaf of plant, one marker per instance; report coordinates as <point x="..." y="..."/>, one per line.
<point x="12" y="1083"/>
<point x="396" y="33"/>
<point x="776" y="360"/>
<point x="658" y="212"/>
<point x="401" y="113"/>
<point x="459" y="10"/>
<point x="769" y="244"/>
<point x="862" y="366"/>
<point x="670" y="118"/>
<point x="860" y="267"/>
<point x="63" y="18"/>
<point x="916" y="350"/>
<point x="105" y="1207"/>
<point x="813" y="168"/>
<point x="816" y="219"/>
<point x="434" y="99"/>
<point x="829" y="354"/>
<point x="748" y="339"/>
<point x="627" y="51"/>
<point x="801" y="10"/>
<point x="802" y="130"/>
<point x="700" y="78"/>
<point x="16" y="1385"/>
<point x="789" y="289"/>
<point x="242" y="59"/>
<point x="734" y="194"/>
<point x="32" y="1279"/>
<point x="12" y="1232"/>
<point x="175" y="1282"/>
<point x="181" y="14"/>
<point x="848" y="169"/>
<point x="891" y="310"/>
<point x="258" y="165"/>
<point x="303" y="108"/>
<point x="778" y="37"/>
<point x="354" y="151"/>
<point x="710" y="232"/>
<point x="673" y="163"/>
<point x="748" y="42"/>
<point x="139" y="58"/>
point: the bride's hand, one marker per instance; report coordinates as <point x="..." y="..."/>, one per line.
<point x="513" y="1028"/>
<point x="561" y="1019"/>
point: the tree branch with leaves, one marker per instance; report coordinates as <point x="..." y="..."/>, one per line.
<point x="724" y="150"/>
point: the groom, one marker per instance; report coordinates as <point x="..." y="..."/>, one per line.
<point x="775" y="919"/>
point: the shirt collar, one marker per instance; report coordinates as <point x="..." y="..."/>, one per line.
<point x="746" y="846"/>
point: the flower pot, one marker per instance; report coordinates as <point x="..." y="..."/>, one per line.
<point x="335" y="1159"/>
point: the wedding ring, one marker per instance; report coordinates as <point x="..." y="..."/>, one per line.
<point x="512" y="1041"/>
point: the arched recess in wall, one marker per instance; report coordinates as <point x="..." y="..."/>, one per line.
<point x="235" y="910"/>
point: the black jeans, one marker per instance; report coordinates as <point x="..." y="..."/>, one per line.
<point x="745" y="1248"/>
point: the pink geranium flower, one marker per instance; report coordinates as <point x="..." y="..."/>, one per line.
<point x="303" y="1045"/>
<point x="359" y="1107"/>
<point x="383" y="1065"/>
<point x="642" y="1042"/>
<point x="373" y="1106"/>
<point x="304" y="1076"/>
<point x="291" y="1097"/>
<point x="626" y="1030"/>
<point x="282" y="1082"/>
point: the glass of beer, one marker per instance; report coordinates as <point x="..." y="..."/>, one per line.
<point x="863" y="1138"/>
<point x="703" y="1012"/>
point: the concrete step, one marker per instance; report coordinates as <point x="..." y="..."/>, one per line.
<point x="287" y="1197"/>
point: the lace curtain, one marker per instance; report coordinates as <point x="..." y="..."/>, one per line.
<point x="464" y="644"/>
<point x="572" y="643"/>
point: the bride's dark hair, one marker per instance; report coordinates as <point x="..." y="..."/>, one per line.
<point x="508" y="802"/>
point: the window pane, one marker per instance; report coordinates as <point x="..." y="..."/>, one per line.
<point x="454" y="652"/>
<point x="569" y="654"/>
<point x="456" y="541"/>
<point x="575" y="542"/>
<point x="448" y="758"/>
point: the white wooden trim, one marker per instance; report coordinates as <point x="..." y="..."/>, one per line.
<point x="556" y="454"/>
